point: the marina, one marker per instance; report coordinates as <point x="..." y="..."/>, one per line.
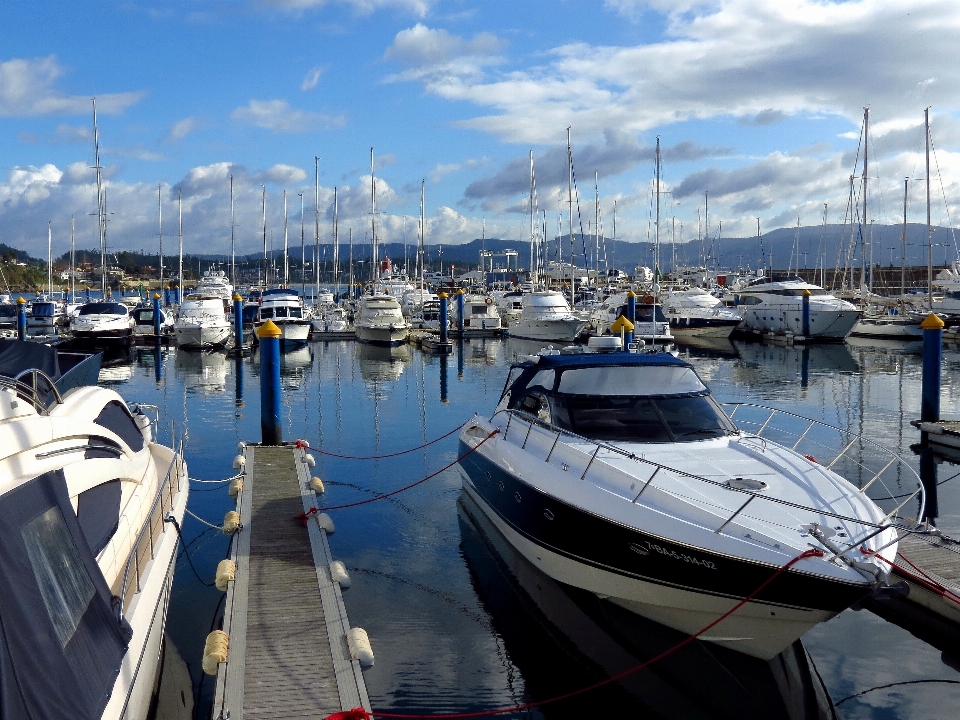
<point x="433" y="545"/>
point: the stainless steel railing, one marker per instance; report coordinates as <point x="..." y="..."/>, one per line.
<point x="519" y="426"/>
<point x="27" y="386"/>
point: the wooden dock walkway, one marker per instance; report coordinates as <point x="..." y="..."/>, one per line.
<point x="285" y="617"/>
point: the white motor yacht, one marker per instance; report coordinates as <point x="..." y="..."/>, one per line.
<point x="775" y="305"/>
<point x="650" y="324"/>
<point x="215" y="282"/>
<point x="330" y="321"/>
<point x="43" y="316"/>
<point x="285" y="308"/>
<point x="413" y="300"/>
<point x="480" y="315"/>
<point x="86" y="551"/>
<point x="103" y="322"/>
<point x="202" y="322"/>
<point x="380" y="321"/>
<point x="143" y="321"/>
<point x="546" y="316"/>
<point x="697" y="312"/>
<point x="619" y="474"/>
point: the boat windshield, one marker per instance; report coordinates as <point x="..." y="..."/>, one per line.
<point x="639" y="419"/>
<point x="103" y="308"/>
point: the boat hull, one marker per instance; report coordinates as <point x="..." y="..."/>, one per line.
<point x="104" y="337"/>
<point x="702" y="327"/>
<point x="382" y="335"/>
<point x="202" y="336"/>
<point x="677" y="585"/>
<point x="893" y="328"/>
<point x="824" y="324"/>
<point x="558" y="330"/>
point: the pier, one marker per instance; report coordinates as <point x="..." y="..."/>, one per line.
<point x="285" y="619"/>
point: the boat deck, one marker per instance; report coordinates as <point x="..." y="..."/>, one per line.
<point x="287" y="624"/>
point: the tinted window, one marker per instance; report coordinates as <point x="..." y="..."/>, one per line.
<point x="266" y="313"/>
<point x="98" y="510"/>
<point x="631" y="419"/>
<point x="116" y="418"/>
<point x="296" y="312"/>
<point x="42" y="310"/>
<point x="8" y="311"/>
<point x="64" y="584"/>
<point x="103" y="308"/>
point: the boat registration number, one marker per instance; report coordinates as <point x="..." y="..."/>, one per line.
<point x="672" y="554"/>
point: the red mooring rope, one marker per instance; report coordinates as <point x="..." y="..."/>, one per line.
<point x="306" y="446"/>
<point x="303" y="516"/>
<point x="922" y="579"/>
<point x="362" y="714"/>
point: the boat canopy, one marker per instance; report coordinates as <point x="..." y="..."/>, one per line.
<point x="103" y="308"/>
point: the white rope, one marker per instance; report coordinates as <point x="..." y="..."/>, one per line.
<point x="214" y="482"/>
<point x="200" y="519"/>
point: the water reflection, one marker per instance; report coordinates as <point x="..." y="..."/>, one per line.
<point x="563" y="639"/>
<point x="382" y="364"/>
<point x="203" y="371"/>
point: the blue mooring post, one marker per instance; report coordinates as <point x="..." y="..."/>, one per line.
<point x="158" y="367"/>
<point x="269" y="335"/>
<point x="443" y="378"/>
<point x="237" y="321"/>
<point x="460" y="311"/>
<point x="631" y="316"/>
<point x="932" y="360"/>
<point x="21" y="319"/>
<point x="806" y="314"/>
<point x="156" y="316"/>
<point x="88" y="293"/>
<point x="166" y="296"/>
<point x="443" y="317"/>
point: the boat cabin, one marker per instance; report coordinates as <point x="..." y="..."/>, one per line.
<point x="617" y="397"/>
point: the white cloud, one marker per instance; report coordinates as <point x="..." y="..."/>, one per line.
<point x="725" y="58"/>
<point x="437" y="56"/>
<point x="27" y="89"/>
<point x="182" y="128"/>
<point x="278" y="116"/>
<point x="311" y="79"/>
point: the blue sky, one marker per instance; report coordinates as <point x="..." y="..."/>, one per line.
<point x="758" y="103"/>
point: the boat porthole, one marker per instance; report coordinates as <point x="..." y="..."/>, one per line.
<point x="772" y="613"/>
<point x="489" y="476"/>
<point x="500" y="484"/>
<point x="516" y="496"/>
<point x="547" y="514"/>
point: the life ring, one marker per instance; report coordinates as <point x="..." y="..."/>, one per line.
<point x="489" y="301"/>
<point x="647" y="299"/>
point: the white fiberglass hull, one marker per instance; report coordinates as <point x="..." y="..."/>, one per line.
<point x="382" y="334"/>
<point x="750" y="630"/>
<point x="201" y="336"/>
<point x="132" y="694"/>
<point x="824" y="324"/>
<point x="892" y="328"/>
<point x="558" y="330"/>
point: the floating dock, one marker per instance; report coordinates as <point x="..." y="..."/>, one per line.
<point x="287" y="625"/>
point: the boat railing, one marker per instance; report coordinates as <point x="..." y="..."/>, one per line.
<point x="28" y="385"/>
<point x="520" y="425"/>
<point x="144" y="547"/>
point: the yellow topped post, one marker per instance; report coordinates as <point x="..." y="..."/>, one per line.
<point x="269" y="330"/>
<point x="932" y="322"/>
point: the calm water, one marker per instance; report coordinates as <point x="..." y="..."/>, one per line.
<point x="456" y="623"/>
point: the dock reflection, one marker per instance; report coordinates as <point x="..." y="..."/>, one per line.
<point x="563" y="638"/>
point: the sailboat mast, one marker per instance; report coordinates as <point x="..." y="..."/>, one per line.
<point x="263" y="204"/>
<point x="596" y="222"/>
<point x="423" y="232"/>
<point x="573" y="277"/>
<point x="233" y="251"/>
<point x="533" y="270"/>
<point x="351" y="262"/>
<point x="286" y="258"/>
<point x="180" y="231"/>
<point x="303" y="252"/>
<point x="926" y="127"/>
<point x="903" y="244"/>
<point x="373" y="222"/>
<point x="316" y="219"/>
<point x="73" y="260"/>
<point x="101" y="204"/>
<point x="656" y="224"/>
<point x="49" y="260"/>
<point x="613" y="249"/>
<point x="863" y="224"/>
<point x="160" y="231"/>
<point x="336" y="242"/>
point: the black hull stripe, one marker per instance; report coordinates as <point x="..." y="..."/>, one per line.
<point x="602" y="543"/>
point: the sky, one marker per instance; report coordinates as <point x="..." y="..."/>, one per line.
<point x="758" y="104"/>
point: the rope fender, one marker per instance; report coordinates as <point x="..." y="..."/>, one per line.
<point x="362" y="714"/>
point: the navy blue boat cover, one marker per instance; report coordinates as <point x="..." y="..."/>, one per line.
<point x="52" y="668"/>
<point x="19" y="355"/>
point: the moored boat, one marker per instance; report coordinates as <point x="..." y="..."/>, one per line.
<point x="775" y="305"/>
<point x="619" y="474"/>
<point x="546" y="316"/>
<point x="380" y="321"/>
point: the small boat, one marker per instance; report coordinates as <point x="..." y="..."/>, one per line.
<point x="546" y="316"/>
<point x="103" y="322"/>
<point x="43" y="316"/>
<point x="618" y="473"/>
<point x="775" y="305"/>
<point x="330" y="322"/>
<point x="285" y="308"/>
<point x="886" y="325"/>
<point x="697" y="312"/>
<point x="86" y="554"/>
<point x="380" y="321"/>
<point x="480" y="315"/>
<point x="143" y="322"/>
<point x="202" y="322"/>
